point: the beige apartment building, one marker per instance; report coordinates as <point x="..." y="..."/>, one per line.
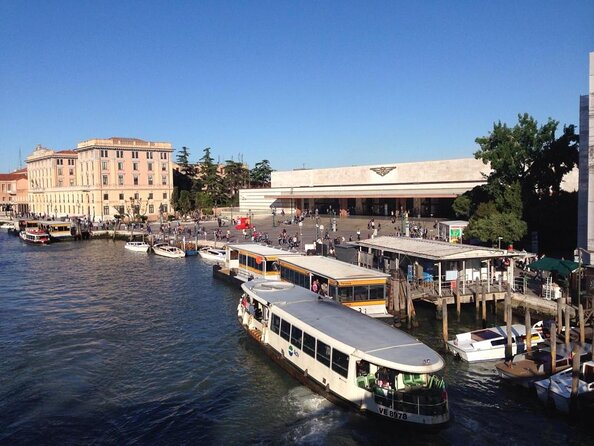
<point x="102" y="178"/>
<point x="14" y="192"/>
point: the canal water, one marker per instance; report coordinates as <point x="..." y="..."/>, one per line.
<point x="99" y="345"/>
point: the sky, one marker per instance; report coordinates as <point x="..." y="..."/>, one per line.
<point x="303" y="84"/>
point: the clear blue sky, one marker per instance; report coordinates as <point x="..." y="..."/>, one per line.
<point x="314" y="83"/>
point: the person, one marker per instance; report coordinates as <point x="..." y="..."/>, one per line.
<point x="358" y="234"/>
<point x="324" y="289"/>
<point x="362" y="368"/>
<point x="315" y="286"/>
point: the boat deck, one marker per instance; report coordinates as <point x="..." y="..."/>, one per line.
<point x="523" y="368"/>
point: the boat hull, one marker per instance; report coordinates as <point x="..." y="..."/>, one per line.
<point x="137" y="248"/>
<point x="169" y="254"/>
<point x="32" y="240"/>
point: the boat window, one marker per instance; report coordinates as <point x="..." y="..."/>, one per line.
<point x="294" y="277"/>
<point x="345" y="294"/>
<point x="361" y="293"/>
<point x="271" y="266"/>
<point x="275" y="323"/>
<point x="340" y="363"/>
<point x="332" y="291"/>
<point x="376" y="292"/>
<point x="296" y="337"/>
<point x="242" y="259"/>
<point x="233" y="255"/>
<point x="498" y="342"/>
<point x="285" y="330"/>
<point x="309" y="345"/>
<point x="323" y="353"/>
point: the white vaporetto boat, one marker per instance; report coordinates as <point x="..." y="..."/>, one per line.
<point x="347" y="357"/>
<point x="556" y="390"/>
<point x="137" y="246"/>
<point x="165" y="250"/>
<point x="212" y="254"/>
<point x="489" y="343"/>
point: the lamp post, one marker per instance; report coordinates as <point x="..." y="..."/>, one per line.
<point x="300" y="234"/>
<point x="499" y="242"/>
<point x="273" y="217"/>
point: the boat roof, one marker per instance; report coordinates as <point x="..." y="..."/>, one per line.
<point x="332" y="268"/>
<point x="370" y="338"/>
<point x="262" y="250"/>
<point x="432" y="249"/>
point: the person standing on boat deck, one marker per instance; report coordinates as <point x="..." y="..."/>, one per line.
<point x="315" y="286"/>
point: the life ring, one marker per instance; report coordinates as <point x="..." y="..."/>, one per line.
<point x="259" y="260"/>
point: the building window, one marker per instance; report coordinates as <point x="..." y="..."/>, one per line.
<point x="103" y="153"/>
<point x="106" y="196"/>
<point x="72" y="181"/>
<point x="164" y="167"/>
<point x="120" y="180"/>
<point x="60" y="162"/>
<point x="164" y="195"/>
<point x="149" y="155"/>
<point x="103" y="165"/>
<point x="71" y="162"/>
<point x="121" y="210"/>
<point x="59" y="171"/>
<point x="134" y="166"/>
<point x="105" y="210"/>
<point x="150" y="166"/>
<point x="151" y="209"/>
<point x="119" y="153"/>
<point x="150" y="196"/>
<point x="163" y="155"/>
<point x="60" y="182"/>
<point x="150" y="180"/>
<point x="164" y="207"/>
<point x="134" y="155"/>
<point x="136" y="196"/>
<point x="164" y="180"/>
<point x="70" y="171"/>
<point x="104" y="180"/>
<point x="135" y="180"/>
<point x="121" y="196"/>
<point x="120" y="165"/>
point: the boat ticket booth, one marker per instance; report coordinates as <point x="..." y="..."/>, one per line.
<point x="436" y="268"/>
<point x="254" y="261"/>
<point x="359" y="288"/>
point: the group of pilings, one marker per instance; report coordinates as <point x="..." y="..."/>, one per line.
<point x="561" y="327"/>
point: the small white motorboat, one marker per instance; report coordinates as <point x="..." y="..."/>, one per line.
<point x="165" y="250"/>
<point x="212" y="254"/>
<point x="137" y="246"/>
<point x="7" y="227"/>
<point x="556" y="390"/>
<point x="489" y="343"/>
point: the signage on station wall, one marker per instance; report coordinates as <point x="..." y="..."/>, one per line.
<point x="455" y="234"/>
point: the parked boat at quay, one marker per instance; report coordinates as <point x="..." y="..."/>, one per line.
<point x="165" y="250"/>
<point x="137" y="246"/>
<point x="212" y="254"/>
<point x="347" y="357"/>
<point x="536" y="365"/>
<point x="489" y="343"/>
<point x="556" y="390"/>
<point x="34" y="236"/>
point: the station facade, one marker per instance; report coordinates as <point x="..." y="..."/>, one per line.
<point x="423" y="189"/>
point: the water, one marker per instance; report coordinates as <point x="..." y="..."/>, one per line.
<point x="99" y="345"/>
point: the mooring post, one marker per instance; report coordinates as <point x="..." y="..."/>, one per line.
<point x="458" y="290"/>
<point x="494" y="304"/>
<point x="477" y="299"/>
<point x="582" y="327"/>
<point x="575" y="378"/>
<point x="508" y="328"/>
<point x="528" y="325"/>
<point x="553" y="349"/>
<point x="559" y="320"/>
<point x="567" y="326"/>
<point x="444" y="319"/>
<point x="484" y="307"/>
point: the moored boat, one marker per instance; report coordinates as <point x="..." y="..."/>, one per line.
<point x="489" y="343"/>
<point x="212" y="254"/>
<point x="7" y="226"/>
<point x="137" y="246"/>
<point x="349" y="358"/>
<point x="35" y="236"/>
<point x="556" y="390"/>
<point x="165" y="250"/>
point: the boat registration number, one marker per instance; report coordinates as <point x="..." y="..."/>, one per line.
<point x="392" y="413"/>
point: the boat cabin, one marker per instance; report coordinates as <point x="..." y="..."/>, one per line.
<point x="58" y="230"/>
<point x="251" y="260"/>
<point x="359" y="288"/>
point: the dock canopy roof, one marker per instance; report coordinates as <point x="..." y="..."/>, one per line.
<point x="261" y="250"/>
<point x="368" y="338"/>
<point x="432" y="249"/>
<point x="333" y="269"/>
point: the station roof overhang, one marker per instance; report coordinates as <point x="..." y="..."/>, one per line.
<point x="433" y="249"/>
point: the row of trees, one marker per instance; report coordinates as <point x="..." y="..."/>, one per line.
<point x="523" y="193"/>
<point x="206" y="184"/>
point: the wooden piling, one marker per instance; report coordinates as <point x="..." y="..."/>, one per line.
<point x="444" y="319"/>
<point x="484" y="307"/>
<point x="528" y="325"/>
<point x="458" y="290"/>
<point x="494" y="304"/>
<point x="575" y="377"/>
<point x="553" y="342"/>
<point x="559" y="320"/>
<point x="582" y="327"/>
<point x="567" y="326"/>
<point x="508" y="328"/>
<point x="477" y="300"/>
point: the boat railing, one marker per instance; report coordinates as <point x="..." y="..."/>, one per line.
<point x="412" y="402"/>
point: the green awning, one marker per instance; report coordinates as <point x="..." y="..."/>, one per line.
<point x="560" y="266"/>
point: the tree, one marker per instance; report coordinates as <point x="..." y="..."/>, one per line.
<point x="236" y="177"/>
<point x="175" y="199"/>
<point x="528" y="164"/>
<point x="185" y="203"/>
<point x="260" y="174"/>
<point x="183" y="159"/>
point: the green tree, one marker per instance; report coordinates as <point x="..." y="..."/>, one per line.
<point x="260" y="174"/>
<point x="183" y="159"/>
<point x="185" y="202"/>
<point x="175" y="199"/>
<point x="236" y="177"/>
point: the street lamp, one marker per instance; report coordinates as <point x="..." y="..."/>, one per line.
<point x="300" y="234"/>
<point x="499" y="242"/>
